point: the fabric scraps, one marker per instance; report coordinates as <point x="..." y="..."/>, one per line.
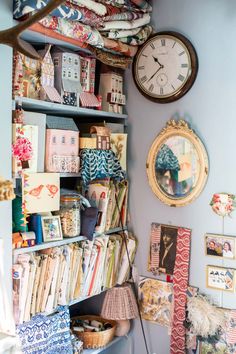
<point x="143" y="4"/>
<point x="180" y="286"/>
<point x="114" y="60"/>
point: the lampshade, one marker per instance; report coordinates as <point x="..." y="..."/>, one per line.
<point x="120" y="304"/>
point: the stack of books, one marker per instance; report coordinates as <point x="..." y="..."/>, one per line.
<point x="56" y="276"/>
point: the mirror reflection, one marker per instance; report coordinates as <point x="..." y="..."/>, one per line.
<point x="177" y="167"/>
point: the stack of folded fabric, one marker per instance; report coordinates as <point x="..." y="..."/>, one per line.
<point x="115" y="27"/>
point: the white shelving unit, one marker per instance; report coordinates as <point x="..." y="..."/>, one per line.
<point x="51" y="108"/>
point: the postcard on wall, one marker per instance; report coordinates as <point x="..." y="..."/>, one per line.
<point x="155" y="299"/>
<point x="220" y="246"/>
<point x="41" y="192"/>
<point x="163" y="248"/>
<point x="220" y="278"/>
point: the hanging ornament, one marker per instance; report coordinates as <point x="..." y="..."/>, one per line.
<point x="223" y="204"/>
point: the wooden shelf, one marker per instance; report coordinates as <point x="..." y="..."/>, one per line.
<point x="57" y="109"/>
<point x="65" y="241"/>
<point x="100" y="350"/>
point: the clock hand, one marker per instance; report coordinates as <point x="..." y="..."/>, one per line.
<point x="161" y="67"/>
<point x="156" y="60"/>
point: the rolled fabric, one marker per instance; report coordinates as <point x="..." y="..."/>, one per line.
<point x="120" y="47"/>
<point x="122" y="33"/>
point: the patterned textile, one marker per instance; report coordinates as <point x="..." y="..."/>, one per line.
<point x="99" y="9"/>
<point x="166" y="160"/>
<point x="143" y="4"/>
<point x="180" y="286"/>
<point x="88" y="99"/>
<point x="155" y="247"/>
<point x="124" y="16"/>
<point x="99" y="164"/>
<point x="231" y="330"/>
<point x="46" y="334"/>
<point x="115" y="34"/>
<point x="75" y="30"/>
<point x="120" y="47"/>
<point x="108" y="58"/>
<point x="126" y="24"/>
<point x="89" y="17"/>
<point x="23" y="7"/>
<point x="140" y="38"/>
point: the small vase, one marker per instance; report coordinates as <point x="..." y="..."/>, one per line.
<point x="25" y="164"/>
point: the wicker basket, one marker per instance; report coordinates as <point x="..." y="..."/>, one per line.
<point x="93" y="340"/>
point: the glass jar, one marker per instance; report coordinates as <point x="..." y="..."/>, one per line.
<point x="70" y="215"/>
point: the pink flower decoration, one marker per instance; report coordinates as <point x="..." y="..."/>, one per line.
<point x="223" y="203"/>
<point x="22" y="149"/>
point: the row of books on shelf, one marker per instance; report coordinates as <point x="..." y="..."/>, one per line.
<point x="61" y="275"/>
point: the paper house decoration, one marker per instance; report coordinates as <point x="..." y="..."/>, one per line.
<point x="26" y="76"/>
<point x="102" y="135"/>
<point x="31" y="133"/>
<point x="62" y="145"/>
<point x="39" y="120"/>
<point x="67" y="75"/>
<point x="111" y="90"/>
<point x="87" y="78"/>
<point x="48" y="91"/>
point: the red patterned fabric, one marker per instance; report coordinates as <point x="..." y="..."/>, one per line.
<point x="231" y="330"/>
<point x="155" y="247"/>
<point x="180" y="286"/>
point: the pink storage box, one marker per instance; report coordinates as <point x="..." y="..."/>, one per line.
<point x="61" y="143"/>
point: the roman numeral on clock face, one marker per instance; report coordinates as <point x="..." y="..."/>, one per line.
<point x="163" y="42"/>
<point x="151" y="87"/>
<point x="152" y="46"/>
<point x="141" y="67"/>
<point x="181" y="78"/>
<point x="143" y="79"/>
<point x="161" y="91"/>
<point x="184" y="65"/>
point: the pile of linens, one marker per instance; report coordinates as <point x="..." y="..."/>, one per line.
<point x="113" y="28"/>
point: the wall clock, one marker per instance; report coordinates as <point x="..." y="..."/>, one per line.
<point x="165" y="67"/>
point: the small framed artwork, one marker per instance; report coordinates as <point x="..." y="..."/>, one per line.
<point x="220" y="246"/>
<point x="51" y="226"/>
<point x="220" y="278"/>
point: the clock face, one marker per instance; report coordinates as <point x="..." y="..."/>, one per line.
<point x="165" y="67"/>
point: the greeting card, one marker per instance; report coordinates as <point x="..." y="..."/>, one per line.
<point x="41" y="192"/>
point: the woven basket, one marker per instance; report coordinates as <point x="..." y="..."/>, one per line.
<point x="93" y="340"/>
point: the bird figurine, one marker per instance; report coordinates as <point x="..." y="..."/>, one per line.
<point x="53" y="189"/>
<point x="35" y="192"/>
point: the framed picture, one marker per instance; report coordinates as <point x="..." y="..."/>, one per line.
<point x="51" y="226"/>
<point x="220" y="278"/>
<point x="220" y="246"/>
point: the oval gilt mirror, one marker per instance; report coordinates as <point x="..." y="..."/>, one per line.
<point x="177" y="164"/>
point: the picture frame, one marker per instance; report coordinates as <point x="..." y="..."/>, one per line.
<point x="220" y="246"/>
<point x="51" y="226"/>
<point x="220" y="278"/>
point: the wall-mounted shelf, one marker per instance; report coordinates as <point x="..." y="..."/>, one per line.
<point x="65" y="241"/>
<point x="30" y="104"/>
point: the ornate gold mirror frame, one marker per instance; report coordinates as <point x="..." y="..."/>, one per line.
<point x="193" y="164"/>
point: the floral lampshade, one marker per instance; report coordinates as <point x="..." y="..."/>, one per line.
<point x="120" y="304"/>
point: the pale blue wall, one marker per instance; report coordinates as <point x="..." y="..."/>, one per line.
<point x="210" y="107"/>
<point x="5" y="135"/>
